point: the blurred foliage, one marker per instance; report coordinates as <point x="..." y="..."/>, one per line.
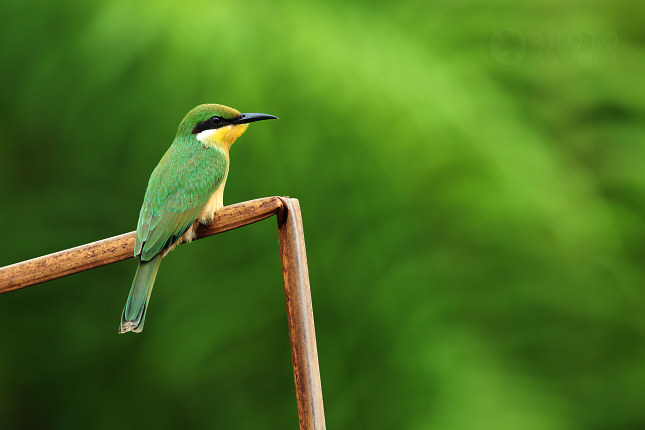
<point x="473" y="192"/>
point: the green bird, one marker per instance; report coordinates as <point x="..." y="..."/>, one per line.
<point x="185" y="189"/>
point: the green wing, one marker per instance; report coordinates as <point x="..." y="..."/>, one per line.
<point x="179" y="188"/>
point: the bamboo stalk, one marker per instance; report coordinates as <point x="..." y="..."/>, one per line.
<point x="302" y="333"/>
<point x="295" y="274"/>
<point x="117" y="248"/>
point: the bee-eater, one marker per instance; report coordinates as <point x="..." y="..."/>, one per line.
<point x="185" y="189"/>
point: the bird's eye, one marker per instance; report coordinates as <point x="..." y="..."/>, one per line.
<point x="215" y="120"/>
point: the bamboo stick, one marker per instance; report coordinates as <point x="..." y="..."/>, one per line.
<point x="302" y="333"/>
<point x="117" y="248"/>
<point x="295" y="274"/>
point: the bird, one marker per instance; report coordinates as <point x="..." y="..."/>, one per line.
<point x="185" y="189"/>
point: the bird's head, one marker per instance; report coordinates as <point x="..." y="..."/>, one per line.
<point x="217" y="125"/>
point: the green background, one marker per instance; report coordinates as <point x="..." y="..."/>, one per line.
<point x="472" y="181"/>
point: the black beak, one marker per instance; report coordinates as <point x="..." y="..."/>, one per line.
<point x="252" y="117"/>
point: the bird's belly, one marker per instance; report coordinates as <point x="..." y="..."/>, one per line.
<point x="214" y="204"/>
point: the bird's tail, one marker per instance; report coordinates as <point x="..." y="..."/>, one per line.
<point x="134" y="312"/>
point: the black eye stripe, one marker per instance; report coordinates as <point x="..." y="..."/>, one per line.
<point x="211" y="123"/>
